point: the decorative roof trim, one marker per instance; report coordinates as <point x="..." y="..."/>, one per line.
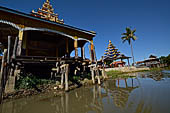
<point x="40" y="19"/>
<point x="40" y="29"/>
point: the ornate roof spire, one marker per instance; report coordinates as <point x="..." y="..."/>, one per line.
<point x="47" y="12"/>
<point x="111" y="50"/>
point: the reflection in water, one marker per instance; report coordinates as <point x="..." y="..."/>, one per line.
<point x="120" y="94"/>
<point x="132" y="95"/>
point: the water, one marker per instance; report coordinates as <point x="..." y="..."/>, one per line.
<point x="148" y="93"/>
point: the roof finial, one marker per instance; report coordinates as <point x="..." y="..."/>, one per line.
<point x="47" y="12"/>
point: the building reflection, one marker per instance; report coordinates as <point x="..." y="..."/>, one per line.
<point x="155" y="75"/>
<point x="120" y="93"/>
<point x="82" y="100"/>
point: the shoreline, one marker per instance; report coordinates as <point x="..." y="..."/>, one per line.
<point x="55" y="87"/>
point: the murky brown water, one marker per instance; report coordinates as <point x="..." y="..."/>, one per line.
<point x="148" y="93"/>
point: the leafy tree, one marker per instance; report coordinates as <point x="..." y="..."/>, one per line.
<point x="165" y="60"/>
<point x="129" y="36"/>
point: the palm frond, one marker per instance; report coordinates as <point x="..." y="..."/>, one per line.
<point x="134" y="38"/>
<point x="124" y="38"/>
<point x="124" y="34"/>
<point x="124" y="41"/>
<point x="128" y="30"/>
<point x="129" y="41"/>
<point x="134" y="31"/>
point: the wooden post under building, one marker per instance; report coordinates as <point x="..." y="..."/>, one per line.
<point x="67" y="48"/>
<point x="19" y="47"/>
<point x="75" y="46"/>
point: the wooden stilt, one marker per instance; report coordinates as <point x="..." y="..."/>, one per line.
<point x="96" y="68"/>
<point x="18" y="53"/>
<point x="15" y="48"/>
<point x="83" y="53"/>
<point x="128" y="63"/>
<point x="92" y="75"/>
<point x="9" y="49"/>
<point x="75" y="46"/>
<point x="92" y="50"/>
<point x="90" y="53"/>
<point x="62" y="78"/>
<point x="91" y="67"/>
<point x="103" y="69"/>
<point x="97" y="74"/>
<point x="67" y="48"/>
<point x="66" y="77"/>
<point x="2" y="74"/>
<point x="19" y="47"/>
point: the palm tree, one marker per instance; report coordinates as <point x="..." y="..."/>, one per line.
<point x="129" y="36"/>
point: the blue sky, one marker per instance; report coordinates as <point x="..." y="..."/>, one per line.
<point x="109" y="18"/>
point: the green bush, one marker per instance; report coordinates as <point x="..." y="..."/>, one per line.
<point x="29" y="81"/>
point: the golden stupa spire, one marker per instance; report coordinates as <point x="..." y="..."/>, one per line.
<point x="47" y="12"/>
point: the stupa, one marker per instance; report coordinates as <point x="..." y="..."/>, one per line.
<point x="111" y="51"/>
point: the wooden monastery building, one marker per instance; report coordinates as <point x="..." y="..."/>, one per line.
<point x="152" y="61"/>
<point x="40" y="42"/>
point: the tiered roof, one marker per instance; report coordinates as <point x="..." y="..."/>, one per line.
<point x="47" y="12"/>
<point x="111" y="50"/>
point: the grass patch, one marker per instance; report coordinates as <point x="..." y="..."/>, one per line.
<point x="120" y="74"/>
